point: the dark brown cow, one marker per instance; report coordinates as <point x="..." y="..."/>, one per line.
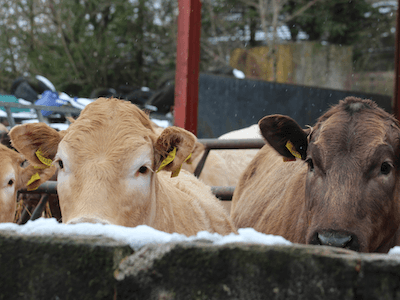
<point x="344" y="189"/>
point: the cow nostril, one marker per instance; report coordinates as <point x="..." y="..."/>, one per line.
<point x="336" y="239"/>
<point x="332" y="239"/>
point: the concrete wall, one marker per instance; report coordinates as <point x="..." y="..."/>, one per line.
<point x="78" y="267"/>
<point x="306" y="63"/>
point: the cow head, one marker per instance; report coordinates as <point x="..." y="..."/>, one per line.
<point x="352" y="183"/>
<point x="14" y="175"/>
<point x="107" y="161"/>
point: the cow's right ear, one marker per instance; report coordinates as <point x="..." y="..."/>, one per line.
<point x="38" y="142"/>
<point x="285" y="136"/>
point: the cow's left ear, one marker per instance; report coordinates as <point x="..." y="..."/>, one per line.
<point x="32" y="177"/>
<point x="172" y="148"/>
<point x="285" y="136"/>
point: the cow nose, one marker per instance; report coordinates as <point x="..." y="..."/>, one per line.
<point x="336" y="239"/>
<point x="87" y="220"/>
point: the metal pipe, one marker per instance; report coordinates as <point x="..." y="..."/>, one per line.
<point x="223" y="192"/>
<point x="232" y="144"/>
<point x="201" y="163"/>
<point x="10" y="118"/>
<point x="25" y="215"/>
<point x="49" y="187"/>
<point x="40" y="207"/>
<point x="39" y="115"/>
<point x="215" y="144"/>
<point x="64" y="109"/>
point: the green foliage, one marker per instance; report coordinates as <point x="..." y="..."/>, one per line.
<point x="343" y="22"/>
<point x="82" y="45"/>
<point x="337" y="22"/>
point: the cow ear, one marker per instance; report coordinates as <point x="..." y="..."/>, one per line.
<point x="38" y="142"/>
<point x="197" y="151"/>
<point x="172" y="148"/>
<point x="285" y="136"/>
<point x="32" y="176"/>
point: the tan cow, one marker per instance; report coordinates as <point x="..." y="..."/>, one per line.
<point x="13" y="176"/>
<point x="342" y="191"/>
<point x="107" y="171"/>
<point x="224" y="167"/>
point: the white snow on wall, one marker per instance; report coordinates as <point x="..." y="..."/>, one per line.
<point x="136" y="237"/>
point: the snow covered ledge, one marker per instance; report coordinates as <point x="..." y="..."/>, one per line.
<point x="47" y="260"/>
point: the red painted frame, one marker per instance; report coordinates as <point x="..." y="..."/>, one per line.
<point x="396" y="95"/>
<point x="187" y="65"/>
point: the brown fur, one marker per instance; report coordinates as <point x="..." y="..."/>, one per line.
<point x="100" y="158"/>
<point x="343" y="189"/>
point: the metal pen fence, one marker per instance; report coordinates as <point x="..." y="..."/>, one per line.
<point x="67" y="111"/>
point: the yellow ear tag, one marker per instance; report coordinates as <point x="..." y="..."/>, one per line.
<point x="292" y="150"/>
<point x="176" y="172"/>
<point x="44" y="160"/>
<point x="167" y="160"/>
<point x="33" y="178"/>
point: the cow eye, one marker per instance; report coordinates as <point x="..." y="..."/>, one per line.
<point x="10" y="182"/>
<point x="386" y="168"/>
<point x="310" y="164"/>
<point x="142" y="169"/>
<point x="60" y="164"/>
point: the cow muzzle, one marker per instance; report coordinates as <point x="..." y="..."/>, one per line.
<point x="336" y="239"/>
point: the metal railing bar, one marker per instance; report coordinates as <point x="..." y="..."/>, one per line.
<point x="39" y="115"/>
<point x="40" y="207"/>
<point x="223" y="193"/>
<point x="201" y="163"/>
<point x="217" y="144"/>
<point x="50" y="187"/>
<point x="10" y="117"/>
<point x="64" y="109"/>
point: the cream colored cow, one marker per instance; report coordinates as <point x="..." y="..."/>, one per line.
<point x="224" y="167"/>
<point x="13" y="176"/>
<point x="107" y="171"/>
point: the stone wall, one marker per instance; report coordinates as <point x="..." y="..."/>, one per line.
<point x="306" y="63"/>
<point x="78" y="267"/>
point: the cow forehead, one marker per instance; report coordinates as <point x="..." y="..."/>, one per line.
<point x="345" y="131"/>
<point x="6" y="172"/>
<point x="109" y="124"/>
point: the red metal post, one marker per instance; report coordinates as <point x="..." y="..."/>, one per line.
<point x="187" y="65"/>
<point x="396" y="95"/>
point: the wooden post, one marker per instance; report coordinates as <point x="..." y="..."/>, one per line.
<point x="396" y="95"/>
<point x="187" y="65"/>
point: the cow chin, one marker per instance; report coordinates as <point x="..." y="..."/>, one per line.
<point x="88" y="220"/>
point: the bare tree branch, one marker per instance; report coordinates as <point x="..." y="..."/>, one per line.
<point x="300" y="11"/>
